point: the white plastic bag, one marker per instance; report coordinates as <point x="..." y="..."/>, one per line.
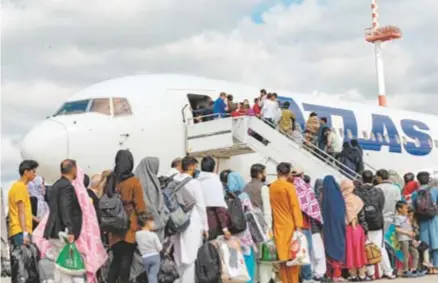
<point x="233" y="265"/>
<point x="299" y="250"/>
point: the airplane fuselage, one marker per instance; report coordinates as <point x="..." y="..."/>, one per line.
<point x="146" y="114"/>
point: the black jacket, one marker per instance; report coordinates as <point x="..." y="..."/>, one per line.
<point x="373" y="198"/>
<point x="65" y="211"/>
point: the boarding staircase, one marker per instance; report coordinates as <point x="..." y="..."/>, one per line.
<point x="227" y="137"/>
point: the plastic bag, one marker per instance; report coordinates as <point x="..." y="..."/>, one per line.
<point x="269" y="251"/>
<point x="70" y="261"/>
<point x="24" y="264"/>
<point x="233" y="264"/>
<point x="46" y="268"/>
<point x="299" y="250"/>
<point x="168" y="272"/>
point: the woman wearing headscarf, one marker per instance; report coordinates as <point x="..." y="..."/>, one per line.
<point x="355" y="237"/>
<point x="395" y="178"/>
<point x="236" y="184"/>
<point x="312" y="223"/>
<point x="37" y="192"/>
<point x="333" y="213"/>
<point x="123" y="182"/>
<point x="90" y="246"/>
<point x="147" y="172"/>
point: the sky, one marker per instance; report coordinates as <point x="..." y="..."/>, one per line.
<point x="52" y="48"/>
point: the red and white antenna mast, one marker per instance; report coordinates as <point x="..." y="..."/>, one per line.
<point x="377" y="35"/>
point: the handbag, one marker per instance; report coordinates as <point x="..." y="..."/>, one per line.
<point x="373" y="252"/>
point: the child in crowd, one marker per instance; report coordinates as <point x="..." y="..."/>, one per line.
<point x="422" y="247"/>
<point x="149" y="246"/>
<point x="406" y="238"/>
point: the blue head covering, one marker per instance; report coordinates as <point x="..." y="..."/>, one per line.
<point x="334" y="219"/>
<point x="235" y="182"/>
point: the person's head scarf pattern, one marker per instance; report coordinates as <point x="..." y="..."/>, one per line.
<point x="37" y="189"/>
<point x="334" y="219"/>
<point x="122" y="170"/>
<point x="353" y="204"/>
<point x="395" y="178"/>
<point x="146" y="172"/>
<point x="89" y="242"/>
<point x="308" y="202"/>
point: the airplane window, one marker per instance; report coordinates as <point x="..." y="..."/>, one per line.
<point x="379" y="137"/>
<point x="373" y="137"/>
<point x="121" y="106"/>
<point x="386" y="138"/>
<point x="436" y="143"/>
<point x="101" y="105"/>
<point x="405" y="141"/>
<point x="365" y="135"/>
<point x="350" y="135"/>
<point x="430" y="142"/>
<point x="74" y="107"/>
<point x="341" y="132"/>
<point x="397" y="139"/>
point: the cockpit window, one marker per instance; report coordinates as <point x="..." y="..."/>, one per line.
<point x="121" y="106"/>
<point x="101" y="105"/>
<point x="74" y="107"/>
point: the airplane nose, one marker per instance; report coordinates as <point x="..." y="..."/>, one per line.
<point x="46" y="143"/>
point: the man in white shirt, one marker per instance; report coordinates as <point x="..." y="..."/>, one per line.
<point x="175" y="167"/>
<point x="271" y="111"/>
<point x="187" y="243"/>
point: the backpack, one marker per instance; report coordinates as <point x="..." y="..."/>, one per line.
<point x="178" y="203"/>
<point x="208" y="264"/>
<point x="165" y="181"/>
<point x="236" y="213"/>
<point x="114" y="218"/>
<point x="373" y="217"/>
<point x="425" y="208"/>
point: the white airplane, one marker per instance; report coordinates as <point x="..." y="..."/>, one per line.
<point x="148" y="114"/>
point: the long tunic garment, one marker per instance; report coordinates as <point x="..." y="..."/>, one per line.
<point x="187" y="243"/>
<point x="287" y="217"/>
<point x="429" y="228"/>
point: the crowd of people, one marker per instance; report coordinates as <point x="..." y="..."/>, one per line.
<point x="194" y="225"/>
<point x="318" y="137"/>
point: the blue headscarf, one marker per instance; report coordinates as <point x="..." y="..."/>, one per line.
<point x="334" y="219"/>
<point x="235" y="183"/>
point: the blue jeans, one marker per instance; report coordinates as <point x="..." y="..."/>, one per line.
<point x="152" y="266"/>
<point x="17" y="240"/>
<point x="306" y="270"/>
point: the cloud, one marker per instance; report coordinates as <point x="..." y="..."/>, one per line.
<point x="53" y="48"/>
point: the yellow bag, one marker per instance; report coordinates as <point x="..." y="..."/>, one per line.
<point x="374" y="254"/>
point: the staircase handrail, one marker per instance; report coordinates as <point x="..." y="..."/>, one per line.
<point x="321" y="154"/>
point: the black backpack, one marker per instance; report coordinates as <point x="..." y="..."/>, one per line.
<point x="114" y="218"/>
<point x="208" y="264"/>
<point x="425" y="208"/>
<point x="236" y="213"/>
<point x="373" y="217"/>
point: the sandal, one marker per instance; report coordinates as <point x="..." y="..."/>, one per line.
<point x="365" y="279"/>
